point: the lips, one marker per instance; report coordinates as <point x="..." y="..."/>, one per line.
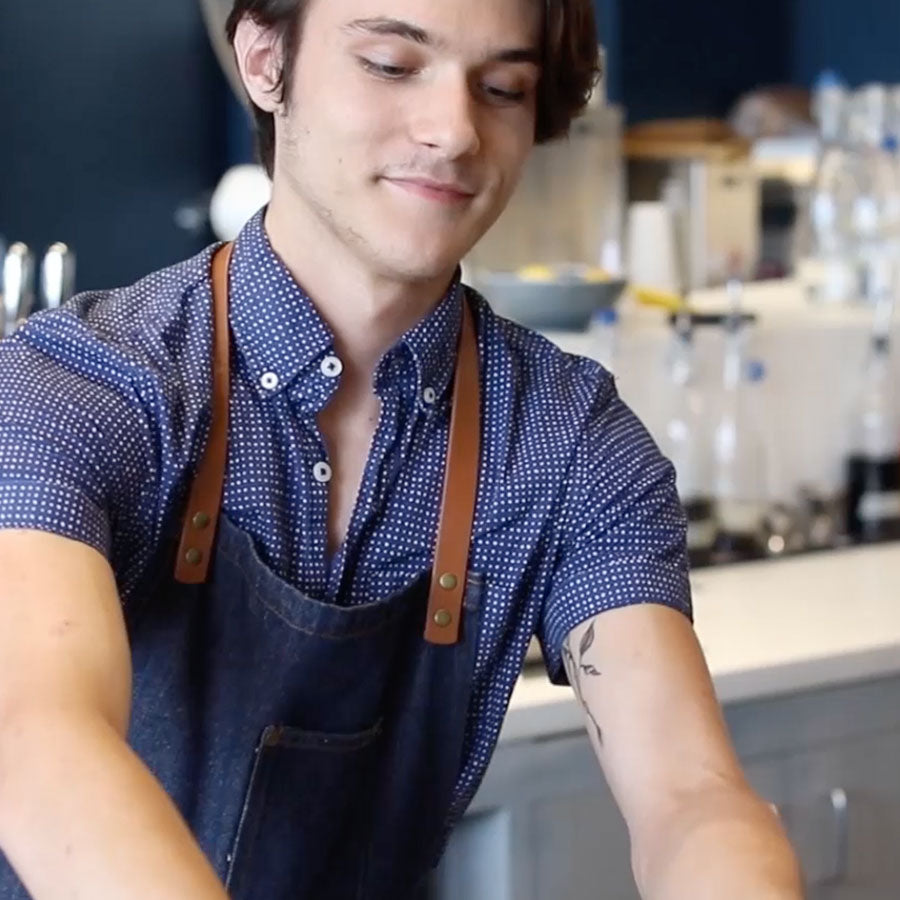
<point x="430" y="189"/>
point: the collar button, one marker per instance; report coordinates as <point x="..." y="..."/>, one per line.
<point x="331" y="367"/>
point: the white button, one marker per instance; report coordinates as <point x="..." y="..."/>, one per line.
<point x="429" y="396"/>
<point x="269" y="381"/>
<point x="322" y="472"/>
<point x="332" y="367"/>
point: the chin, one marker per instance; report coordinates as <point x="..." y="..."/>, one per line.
<point x="415" y="260"/>
<point x="416" y="269"/>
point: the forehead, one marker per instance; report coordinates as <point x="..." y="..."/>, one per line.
<point x="463" y="25"/>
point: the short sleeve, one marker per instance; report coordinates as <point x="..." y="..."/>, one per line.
<point x="624" y="533"/>
<point x="73" y="451"/>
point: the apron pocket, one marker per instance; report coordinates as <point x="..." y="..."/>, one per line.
<point x="299" y="831"/>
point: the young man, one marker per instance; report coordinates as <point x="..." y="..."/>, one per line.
<point x="307" y="712"/>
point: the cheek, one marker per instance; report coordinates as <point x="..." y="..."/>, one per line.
<point x="360" y="125"/>
<point x="511" y="149"/>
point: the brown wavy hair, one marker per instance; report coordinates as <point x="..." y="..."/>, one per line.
<point x="571" y="64"/>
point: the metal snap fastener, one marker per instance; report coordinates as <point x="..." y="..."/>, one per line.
<point x="201" y="520"/>
<point x="193" y="556"/>
<point x="442" y="618"/>
<point x="448" y="582"/>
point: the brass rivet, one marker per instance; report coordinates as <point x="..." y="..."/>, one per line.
<point x="194" y="557"/>
<point x="442" y="618"/>
<point x="448" y="582"/>
<point x="201" y="520"/>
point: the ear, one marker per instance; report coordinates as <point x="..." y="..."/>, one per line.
<point x="258" y="53"/>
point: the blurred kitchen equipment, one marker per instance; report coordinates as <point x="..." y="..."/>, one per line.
<point x="604" y="331"/>
<point x="653" y="258"/>
<point x="832" y="196"/>
<point x="740" y="483"/>
<point x="876" y="208"/>
<point x="685" y="438"/>
<point x="780" y="110"/>
<point x="57" y="276"/>
<point x="18" y="286"/>
<point x="553" y="298"/>
<point x="873" y="467"/>
<point x="702" y="170"/>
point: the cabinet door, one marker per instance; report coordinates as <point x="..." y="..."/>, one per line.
<point x="545" y="825"/>
<point x="841" y="807"/>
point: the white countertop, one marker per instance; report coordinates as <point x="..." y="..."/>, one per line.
<point x="767" y="628"/>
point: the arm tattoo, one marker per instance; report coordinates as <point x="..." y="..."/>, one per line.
<point x="579" y="669"/>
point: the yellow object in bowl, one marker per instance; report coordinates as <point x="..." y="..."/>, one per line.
<point x="595" y="275"/>
<point x="568" y="272"/>
<point x="536" y="272"/>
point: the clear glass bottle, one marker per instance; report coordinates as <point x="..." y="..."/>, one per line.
<point x="833" y="195"/>
<point x="740" y="487"/>
<point x="604" y="335"/>
<point x="685" y="440"/>
<point x="873" y="467"/>
<point x="876" y="208"/>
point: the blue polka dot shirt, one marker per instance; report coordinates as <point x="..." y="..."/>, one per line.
<point x="104" y="409"/>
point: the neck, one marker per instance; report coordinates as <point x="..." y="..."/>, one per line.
<point x="367" y="312"/>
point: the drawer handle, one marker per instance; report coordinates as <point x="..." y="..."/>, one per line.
<point x="840" y="820"/>
<point x="840" y="808"/>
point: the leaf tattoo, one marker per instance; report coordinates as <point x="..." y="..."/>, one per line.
<point x="587" y="639"/>
<point x="576" y="670"/>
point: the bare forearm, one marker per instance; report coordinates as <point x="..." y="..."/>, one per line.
<point x="725" y="845"/>
<point x="81" y="816"/>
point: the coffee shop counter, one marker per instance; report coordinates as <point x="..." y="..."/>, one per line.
<point x="767" y="628"/>
<point x="805" y="656"/>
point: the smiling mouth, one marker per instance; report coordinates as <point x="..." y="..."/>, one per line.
<point x="437" y="191"/>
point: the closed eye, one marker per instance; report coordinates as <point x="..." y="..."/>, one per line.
<point x="384" y="70"/>
<point x="504" y="96"/>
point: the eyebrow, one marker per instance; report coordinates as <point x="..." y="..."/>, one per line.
<point x="411" y="32"/>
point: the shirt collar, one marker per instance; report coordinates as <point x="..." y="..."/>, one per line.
<point x="432" y="345"/>
<point x="280" y="333"/>
<point x="275" y="324"/>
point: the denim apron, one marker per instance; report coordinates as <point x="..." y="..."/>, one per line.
<point x="313" y="749"/>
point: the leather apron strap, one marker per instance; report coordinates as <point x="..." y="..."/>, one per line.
<point x="448" y="579"/>
<point x="205" y="502"/>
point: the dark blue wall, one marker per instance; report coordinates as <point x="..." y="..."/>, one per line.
<point x="695" y="57"/>
<point x="111" y="117"/>
<point x="860" y="38"/>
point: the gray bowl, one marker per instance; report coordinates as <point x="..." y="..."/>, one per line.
<point x="563" y="304"/>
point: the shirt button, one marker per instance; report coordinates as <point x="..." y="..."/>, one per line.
<point x="429" y="396"/>
<point x="322" y="472"/>
<point x="332" y="367"/>
<point x="269" y="381"/>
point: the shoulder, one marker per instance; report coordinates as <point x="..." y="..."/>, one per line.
<point x="535" y="373"/>
<point x="122" y="358"/>
<point x="119" y="373"/>
<point x="566" y="409"/>
<point x="116" y="333"/>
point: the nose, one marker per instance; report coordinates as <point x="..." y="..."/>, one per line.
<point x="446" y="118"/>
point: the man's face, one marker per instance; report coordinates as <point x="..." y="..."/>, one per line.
<point x="408" y="125"/>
